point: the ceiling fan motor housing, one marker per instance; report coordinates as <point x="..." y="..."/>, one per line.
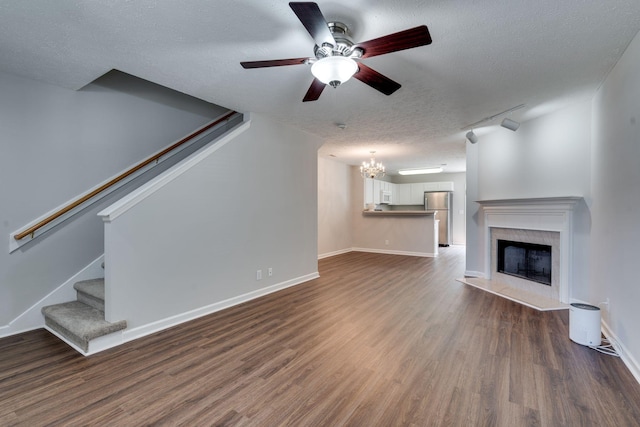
<point x="344" y="43"/>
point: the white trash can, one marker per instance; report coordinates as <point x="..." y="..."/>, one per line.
<point x="584" y="324"/>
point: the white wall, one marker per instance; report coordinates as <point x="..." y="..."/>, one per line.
<point x="57" y="143"/>
<point x="474" y="222"/>
<point x="198" y="240"/>
<point x="334" y="207"/>
<point x="616" y="200"/>
<point x="547" y="157"/>
<point x="592" y="150"/>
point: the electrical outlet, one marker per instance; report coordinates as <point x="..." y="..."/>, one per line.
<point x="259" y="275"/>
<point x="386" y="242"/>
<point x="270" y="272"/>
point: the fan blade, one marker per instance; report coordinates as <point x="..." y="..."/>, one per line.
<point x="309" y="14"/>
<point x="376" y="80"/>
<point x="407" y="39"/>
<point x="314" y="91"/>
<point x="274" y="63"/>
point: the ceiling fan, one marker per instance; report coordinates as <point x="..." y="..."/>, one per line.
<point x="337" y="57"/>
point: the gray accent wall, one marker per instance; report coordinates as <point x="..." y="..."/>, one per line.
<point x="57" y="143"/>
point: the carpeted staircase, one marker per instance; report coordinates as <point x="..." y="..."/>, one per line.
<point x="82" y="320"/>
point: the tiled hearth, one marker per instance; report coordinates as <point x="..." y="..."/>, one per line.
<point x="547" y="221"/>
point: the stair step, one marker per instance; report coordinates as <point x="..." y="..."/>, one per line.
<point x="91" y="292"/>
<point x="79" y="322"/>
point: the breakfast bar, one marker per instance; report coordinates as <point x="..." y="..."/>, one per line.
<point x="403" y="232"/>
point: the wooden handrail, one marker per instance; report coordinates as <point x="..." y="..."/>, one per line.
<point x="81" y="200"/>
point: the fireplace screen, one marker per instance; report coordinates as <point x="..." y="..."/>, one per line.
<point x="526" y="260"/>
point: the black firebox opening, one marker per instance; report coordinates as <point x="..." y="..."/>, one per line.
<point x="526" y="260"/>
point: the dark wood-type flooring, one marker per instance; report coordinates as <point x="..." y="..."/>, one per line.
<point x="378" y="340"/>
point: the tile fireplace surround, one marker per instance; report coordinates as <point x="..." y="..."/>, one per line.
<point x="547" y="220"/>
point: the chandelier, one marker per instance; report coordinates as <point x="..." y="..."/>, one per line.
<point x="372" y="169"/>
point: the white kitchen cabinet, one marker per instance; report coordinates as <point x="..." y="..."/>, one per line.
<point x="377" y="186"/>
<point x="434" y="186"/>
<point x="430" y="186"/>
<point x="373" y="188"/>
<point x="438" y="186"/>
<point x="402" y="194"/>
<point x="368" y="191"/>
<point x="392" y="189"/>
<point x="445" y="186"/>
<point x="387" y="186"/>
<point x="417" y="189"/>
<point x="417" y="193"/>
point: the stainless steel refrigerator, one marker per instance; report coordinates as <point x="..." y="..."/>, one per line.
<point x="441" y="201"/>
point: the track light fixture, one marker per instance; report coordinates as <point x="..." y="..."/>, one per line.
<point x="487" y="119"/>
<point x="510" y="124"/>
<point x="506" y="123"/>
<point x="472" y="137"/>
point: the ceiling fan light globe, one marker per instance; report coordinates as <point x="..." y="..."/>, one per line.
<point x="334" y="70"/>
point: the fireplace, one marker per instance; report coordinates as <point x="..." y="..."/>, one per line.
<point x="539" y="233"/>
<point x="528" y="261"/>
<point x="533" y="250"/>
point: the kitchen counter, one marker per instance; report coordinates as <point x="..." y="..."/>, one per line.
<point x="400" y="232"/>
<point x="400" y="213"/>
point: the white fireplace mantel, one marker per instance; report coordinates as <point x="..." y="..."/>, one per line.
<point x="544" y="214"/>
<point x="567" y="202"/>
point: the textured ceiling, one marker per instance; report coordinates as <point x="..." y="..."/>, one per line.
<point x="486" y="57"/>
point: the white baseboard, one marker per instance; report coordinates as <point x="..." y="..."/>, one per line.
<point x="334" y="253"/>
<point x="32" y="318"/>
<point x="117" y="338"/>
<point x="127" y="335"/>
<point x="628" y="359"/>
<point x="391" y="252"/>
